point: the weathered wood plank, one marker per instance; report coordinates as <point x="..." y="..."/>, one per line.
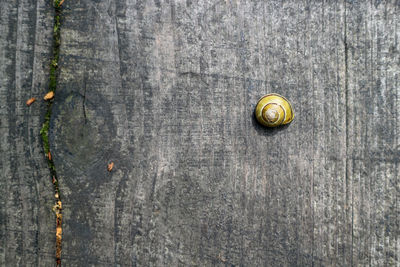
<point x="373" y="142"/>
<point x="27" y="225"/>
<point x="166" y="90"/>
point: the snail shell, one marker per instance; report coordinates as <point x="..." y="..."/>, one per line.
<point x="273" y="110"/>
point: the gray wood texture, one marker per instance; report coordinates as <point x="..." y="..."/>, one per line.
<point x="166" y="90"/>
<point x="27" y="223"/>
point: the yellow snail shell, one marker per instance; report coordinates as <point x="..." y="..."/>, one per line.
<point x="273" y="110"/>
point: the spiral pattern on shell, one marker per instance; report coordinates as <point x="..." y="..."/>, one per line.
<point x="273" y="110"/>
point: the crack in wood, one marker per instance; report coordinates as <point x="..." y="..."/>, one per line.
<point x="44" y="132"/>
<point x="84" y="99"/>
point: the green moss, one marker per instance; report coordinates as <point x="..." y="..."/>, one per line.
<point x="45" y="138"/>
<point x="44" y="132"/>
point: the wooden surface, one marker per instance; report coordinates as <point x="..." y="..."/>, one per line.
<point x="27" y="224"/>
<point x="166" y="91"/>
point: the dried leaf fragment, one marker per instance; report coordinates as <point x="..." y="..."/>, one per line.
<point x="49" y="155"/>
<point x="30" y="101"/>
<point x="58" y="238"/>
<point x="57" y="209"/>
<point x="49" y="95"/>
<point x="59" y="218"/>
<point x="110" y="166"/>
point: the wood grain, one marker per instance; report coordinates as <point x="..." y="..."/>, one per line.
<point x="166" y="91"/>
<point x="27" y="224"/>
<point x="372" y="132"/>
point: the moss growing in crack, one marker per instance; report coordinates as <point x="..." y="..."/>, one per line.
<point x="44" y="132"/>
<point x="56" y="46"/>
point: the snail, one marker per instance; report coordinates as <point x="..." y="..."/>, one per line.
<point x="273" y="110"/>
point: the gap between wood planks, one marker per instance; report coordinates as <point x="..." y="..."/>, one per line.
<point x="44" y="132"/>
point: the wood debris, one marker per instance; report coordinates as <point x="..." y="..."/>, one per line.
<point x="30" y="101"/>
<point x="110" y="166"/>
<point x="58" y="237"/>
<point x="62" y="1"/>
<point x="57" y="208"/>
<point x="49" y="155"/>
<point x="49" y="95"/>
